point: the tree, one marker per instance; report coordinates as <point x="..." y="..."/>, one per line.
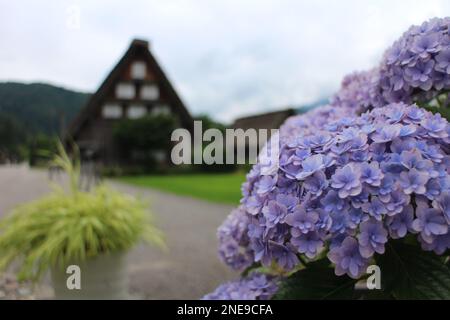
<point x="13" y="138"/>
<point x="144" y="141"/>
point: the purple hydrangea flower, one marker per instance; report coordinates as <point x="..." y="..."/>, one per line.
<point x="401" y="223"/>
<point x="287" y="200"/>
<point x="436" y="126"/>
<point x="372" y="238"/>
<point x="387" y="185"/>
<point x="255" y="229"/>
<point x="414" y="115"/>
<point x="386" y="133"/>
<point x="320" y="139"/>
<point x="316" y="183"/>
<point x="266" y="184"/>
<point x="274" y="212"/>
<point x="332" y="202"/>
<point x="284" y="255"/>
<point x="430" y="222"/>
<point x="396" y="113"/>
<point x="371" y="173"/>
<point x="262" y="252"/>
<point x="419" y="75"/>
<point x="348" y="259"/>
<point x="347" y="181"/>
<point x="439" y="245"/>
<point x="302" y="220"/>
<point x="256" y="286"/>
<point x="310" y="244"/>
<point x="395" y="202"/>
<point x="434" y="189"/>
<point x="425" y="44"/>
<point x="413" y="181"/>
<point x="232" y="233"/>
<point x="339" y="222"/>
<point x="323" y="225"/>
<point x="311" y="165"/>
<point x="376" y="208"/>
<point x="443" y="203"/>
<point x="407" y="130"/>
<point x="362" y="198"/>
<point x="357" y="91"/>
<point x="413" y="159"/>
<point x="254" y="204"/>
<point x="355" y="217"/>
<point x="416" y="66"/>
<point x="443" y="61"/>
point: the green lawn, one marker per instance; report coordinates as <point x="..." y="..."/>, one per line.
<point x="222" y="188"/>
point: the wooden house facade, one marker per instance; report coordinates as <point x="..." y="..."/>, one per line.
<point x="136" y="87"/>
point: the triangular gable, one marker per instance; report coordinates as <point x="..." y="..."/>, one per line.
<point x="138" y="50"/>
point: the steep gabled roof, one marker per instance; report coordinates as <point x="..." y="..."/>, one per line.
<point x="137" y="48"/>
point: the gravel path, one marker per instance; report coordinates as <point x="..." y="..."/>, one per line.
<point x="189" y="269"/>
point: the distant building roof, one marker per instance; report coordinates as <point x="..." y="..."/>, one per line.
<point x="307" y="107"/>
<point x="274" y="119"/>
<point x="270" y="120"/>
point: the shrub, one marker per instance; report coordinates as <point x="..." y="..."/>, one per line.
<point x="64" y="227"/>
<point x="143" y="141"/>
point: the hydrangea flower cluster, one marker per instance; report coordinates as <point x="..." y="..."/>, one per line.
<point x="233" y="240"/>
<point x="350" y="187"/>
<point x="417" y="66"/>
<point x="256" y="286"/>
<point x="312" y="121"/>
<point x="359" y="91"/>
<point x="234" y="233"/>
<point x="352" y="175"/>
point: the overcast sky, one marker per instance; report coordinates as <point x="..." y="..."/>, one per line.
<point x="225" y="58"/>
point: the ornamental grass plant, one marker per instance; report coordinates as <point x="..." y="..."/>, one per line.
<point x="69" y="226"/>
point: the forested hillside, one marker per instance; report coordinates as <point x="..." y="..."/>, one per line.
<point x="31" y="115"/>
<point x="39" y="107"/>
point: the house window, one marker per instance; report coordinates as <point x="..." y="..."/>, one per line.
<point x="150" y="92"/>
<point x="138" y="70"/>
<point x="125" y="91"/>
<point x="160" y="109"/>
<point x="112" y="111"/>
<point x="136" y="111"/>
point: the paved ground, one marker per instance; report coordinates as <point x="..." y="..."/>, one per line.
<point x="188" y="270"/>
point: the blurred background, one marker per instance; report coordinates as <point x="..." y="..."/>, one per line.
<point x="116" y="77"/>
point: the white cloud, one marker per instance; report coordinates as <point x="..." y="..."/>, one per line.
<point x="227" y="58"/>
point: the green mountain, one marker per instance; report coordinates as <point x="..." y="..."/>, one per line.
<point x="39" y="107"/>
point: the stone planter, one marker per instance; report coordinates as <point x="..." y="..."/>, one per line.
<point x="102" y="278"/>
